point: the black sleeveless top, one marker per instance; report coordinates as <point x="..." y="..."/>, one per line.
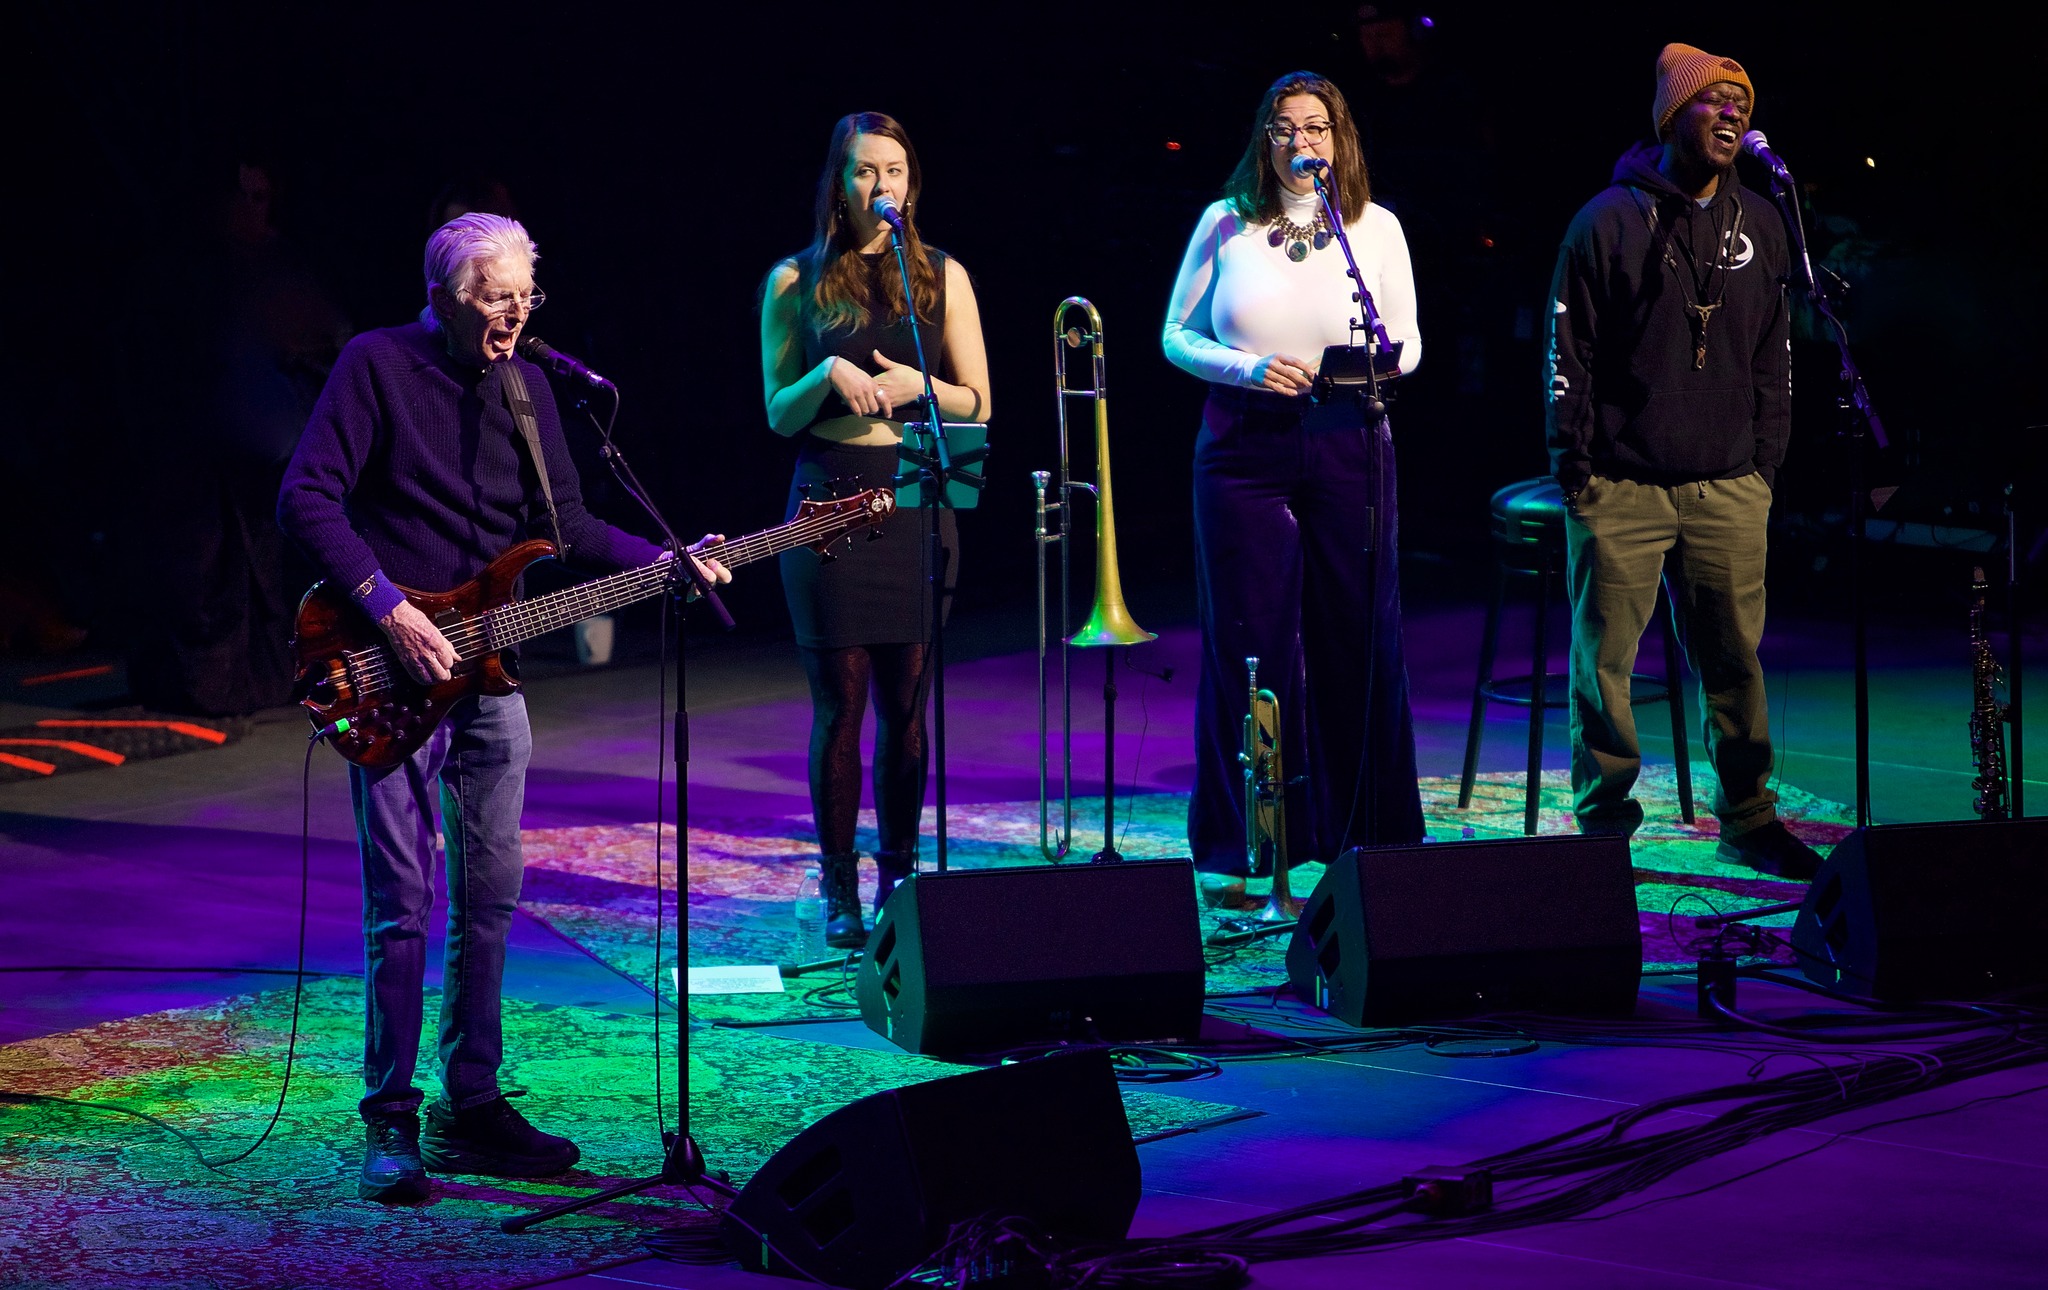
<point x="857" y="345"/>
<point x="875" y="592"/>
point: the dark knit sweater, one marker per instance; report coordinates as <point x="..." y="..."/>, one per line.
<point x="412" y="465"/>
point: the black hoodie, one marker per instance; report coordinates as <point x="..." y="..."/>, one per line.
<point x="1625" y="397"/>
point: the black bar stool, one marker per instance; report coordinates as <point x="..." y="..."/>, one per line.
<point x="1528" y="542"/>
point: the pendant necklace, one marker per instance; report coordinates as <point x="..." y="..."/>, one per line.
<point x="1698" y="309"/>
<point x="1300" y="238"/>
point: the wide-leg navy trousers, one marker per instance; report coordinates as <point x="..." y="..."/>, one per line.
<point x="1296" y="565"/>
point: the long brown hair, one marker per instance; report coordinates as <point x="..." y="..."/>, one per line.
<point x="1253" y="190"/>
<point x="840" y="294"/>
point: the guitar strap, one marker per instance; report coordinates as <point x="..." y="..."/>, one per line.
<point x="513" y="384"/>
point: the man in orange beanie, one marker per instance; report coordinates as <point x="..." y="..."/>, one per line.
<point x="1669" y="405"/>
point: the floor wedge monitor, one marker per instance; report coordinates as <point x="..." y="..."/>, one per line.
<point x="976" y="961"/>
<point x="867" y="1194"/>
<point x="1452" y="929"/>
<point x="1930" y="911"/>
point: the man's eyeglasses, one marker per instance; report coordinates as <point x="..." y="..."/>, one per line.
<point x="1312" y="133"/>
<point x="500" y="303"/>
<point x="1718" y="99"/>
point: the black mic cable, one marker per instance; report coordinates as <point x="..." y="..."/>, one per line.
<point x="298" y="990"/>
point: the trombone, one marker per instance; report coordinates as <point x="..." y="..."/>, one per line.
<point x="1109" y="621"/>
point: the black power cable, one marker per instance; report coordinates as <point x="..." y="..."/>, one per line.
<point x="299" y="975"/>
<point x="1568" y="1175"/>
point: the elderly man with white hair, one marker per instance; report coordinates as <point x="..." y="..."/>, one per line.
<point x="413" y="472"/>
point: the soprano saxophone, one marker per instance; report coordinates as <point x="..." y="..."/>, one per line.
<point x="1987" y="714"/>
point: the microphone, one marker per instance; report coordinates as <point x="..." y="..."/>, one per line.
<point x="541" y="354"/>
<point x="886" y="210"/>
<point x="1307" y="167"/>
<point x="1759" y="147"/>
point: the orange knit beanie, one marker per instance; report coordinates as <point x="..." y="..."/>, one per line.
<point x="1683" y="71"/>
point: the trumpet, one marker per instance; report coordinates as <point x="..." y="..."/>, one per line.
<point x="1109" y="620"/>
<point x="1265" y="797"/>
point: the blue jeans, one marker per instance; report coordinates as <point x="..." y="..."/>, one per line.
<point x="477" y="757"/>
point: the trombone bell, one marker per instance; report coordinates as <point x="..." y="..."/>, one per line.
<point x="1109" y="620"/>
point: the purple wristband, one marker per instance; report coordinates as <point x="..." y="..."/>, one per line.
<point x="378" y="596"/>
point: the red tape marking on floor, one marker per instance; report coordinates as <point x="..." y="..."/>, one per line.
<point x="27" y="763"/>
<point x="75" y="674"/>
<point x="106" y="755"/>
<point x="207" y="733"/>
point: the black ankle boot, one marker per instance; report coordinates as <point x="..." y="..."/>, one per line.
<point x="840" y="878"/>
<point x="892" y="867"/>
<point x="392" y="1171"/>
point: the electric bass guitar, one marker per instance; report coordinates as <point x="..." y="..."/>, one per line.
<point x="346" y="671"/>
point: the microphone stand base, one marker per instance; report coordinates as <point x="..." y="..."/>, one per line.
<point x="683" y="1166"/>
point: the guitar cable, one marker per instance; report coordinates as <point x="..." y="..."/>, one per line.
<point x="299" y="975"/>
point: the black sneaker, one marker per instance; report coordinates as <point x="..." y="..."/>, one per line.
<point x="1771" y="849"/>
<point x="392" y="1171"/>
<point x="491" y="1139"/>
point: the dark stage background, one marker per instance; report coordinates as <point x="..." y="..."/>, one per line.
<point x="209" y="197"/>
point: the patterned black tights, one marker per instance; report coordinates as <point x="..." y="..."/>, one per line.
<point x="842" y="682"/>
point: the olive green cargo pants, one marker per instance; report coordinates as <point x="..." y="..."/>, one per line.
<point x="1707" y="539"/>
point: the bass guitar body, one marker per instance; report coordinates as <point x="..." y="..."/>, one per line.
<point x="345" y="671"/>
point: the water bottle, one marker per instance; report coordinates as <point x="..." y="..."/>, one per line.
<point x="810" y="917"/>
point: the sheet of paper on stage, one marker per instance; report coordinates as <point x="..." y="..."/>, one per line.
<point x="750" y="978"/>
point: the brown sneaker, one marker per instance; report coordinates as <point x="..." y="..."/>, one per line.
<point x="1770" y="849"/>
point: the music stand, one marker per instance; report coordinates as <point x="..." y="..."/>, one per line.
<point x="969" y="441"/>
<point x="947" y="476"/>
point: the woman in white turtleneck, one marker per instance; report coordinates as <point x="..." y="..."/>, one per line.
<point x="1294" y="498"/>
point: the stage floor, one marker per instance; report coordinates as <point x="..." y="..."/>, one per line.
<point x="192" y="861"/>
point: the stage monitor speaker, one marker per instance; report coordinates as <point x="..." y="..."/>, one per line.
<point x="1930" y="911"/>
<point x="1450" y="929"/>
<point x="866" y="1194"/>
<point x="980" y="960"/>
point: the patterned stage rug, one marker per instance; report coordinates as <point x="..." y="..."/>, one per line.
<point x="594" y="885"/>
<point x="96" y="1201"/>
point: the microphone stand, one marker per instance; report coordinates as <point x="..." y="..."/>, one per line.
<point x="934" y="473"/>
<point x="682" y="1163"/>
<point x="1368" y="320"/>
<point x="1858" y="420"/>
<point x="1375" y="409"/>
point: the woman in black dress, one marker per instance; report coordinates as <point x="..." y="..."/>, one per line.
<point x="840" y="374"/>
